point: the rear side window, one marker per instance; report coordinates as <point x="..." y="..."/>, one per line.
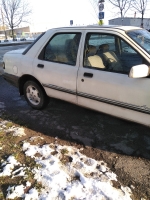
<point x="62" y="48"/>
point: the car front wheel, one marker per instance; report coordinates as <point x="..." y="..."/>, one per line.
<point x="34" y="95"/>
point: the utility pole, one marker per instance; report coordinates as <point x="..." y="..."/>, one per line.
<point x="3" y="24"/>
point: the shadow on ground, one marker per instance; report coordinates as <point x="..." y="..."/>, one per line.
<point x="123" y="145"/>
<point x="74" y="123"/>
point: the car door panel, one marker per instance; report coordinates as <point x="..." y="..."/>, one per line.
<point x="59" y="80"/>
<point x="113" y="88"/>
<point x="58" y="74"/>
<point x="113" y="92"/>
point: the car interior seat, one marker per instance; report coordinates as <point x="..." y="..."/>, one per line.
<point x="111" y="61"/>
<point x="72" y="48"/>
<point x="67" y="51"/>
<point x="74" y="44"/>
<point x="93" y="60"/>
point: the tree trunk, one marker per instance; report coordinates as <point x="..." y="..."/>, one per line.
<point x="142" y="19"/>
<point x="121" y="17"/>
<point x="121" y="14"/>
<point x="12" y="31"/>
<point x="3" y="24"/>
<point x="5" y="34"/>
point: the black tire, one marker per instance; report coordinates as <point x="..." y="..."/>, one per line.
<point x="35" y="95"/>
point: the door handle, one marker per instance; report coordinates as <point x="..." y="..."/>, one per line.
<point x="89" y="75"/>
<point x="40" y="65"/>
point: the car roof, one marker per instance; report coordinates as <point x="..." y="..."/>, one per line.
<point x="90" y="27"/>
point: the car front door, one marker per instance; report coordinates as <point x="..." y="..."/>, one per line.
<point x="56" y="67"/>
<point x="103" y="81"/>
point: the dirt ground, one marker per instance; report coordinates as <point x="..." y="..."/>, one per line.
<point x="126" y="167"/>
<point x="132" y="171"/>
<point x="122" y="145"/>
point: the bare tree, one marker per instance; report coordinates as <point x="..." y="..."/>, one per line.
<point x="122" y="5"/>
<point x="15" y="12"/>
<point x="3" y="24"/>
<point x="140" y="6"/>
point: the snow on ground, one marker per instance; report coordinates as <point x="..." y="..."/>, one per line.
<point x="17" y="131"/>
<point x="18" y="40"/>
<point x="64" y="174"/>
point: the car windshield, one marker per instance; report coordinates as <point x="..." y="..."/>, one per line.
<point x="142" y="37"/>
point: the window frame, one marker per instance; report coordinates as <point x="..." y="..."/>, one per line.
<point x="96" y="33"/>
<point x="42" y="53"/>
<point x="117" y="46"/>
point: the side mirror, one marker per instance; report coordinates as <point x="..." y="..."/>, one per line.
<point x="139" y="71"/>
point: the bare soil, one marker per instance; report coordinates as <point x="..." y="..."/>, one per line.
<point x="118" y="143"/>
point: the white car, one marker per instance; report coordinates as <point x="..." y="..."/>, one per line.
<point x="105" y="68"/>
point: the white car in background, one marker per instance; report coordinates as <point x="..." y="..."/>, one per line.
<point x="105" y="68"/>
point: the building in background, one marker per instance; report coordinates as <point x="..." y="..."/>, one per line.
<point x="23" y="32"/>
<point x="131" y="21"/>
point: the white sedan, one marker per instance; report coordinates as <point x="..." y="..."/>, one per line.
<point x="105" y="68"/>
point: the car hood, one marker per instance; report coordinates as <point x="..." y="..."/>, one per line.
<point x="18" y="51"/>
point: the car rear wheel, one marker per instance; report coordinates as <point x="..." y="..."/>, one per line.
<point x="35" y="95"/>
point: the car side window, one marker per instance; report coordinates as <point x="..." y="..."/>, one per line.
<point x="62" y="48"/>
<point x="110" y="53"/>
<point x="129" y="57"/>
<point x="101" y="52"/>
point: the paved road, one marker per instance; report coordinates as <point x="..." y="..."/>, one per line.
<point x="72" y="123"/>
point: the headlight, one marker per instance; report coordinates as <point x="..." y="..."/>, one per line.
<point x="3" y="65"/>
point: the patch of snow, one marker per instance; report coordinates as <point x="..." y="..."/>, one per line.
<point x="9" y="166"/>
<point x="73" y="180"/>
<point x="35" y="138"/>
<point x="14" y="192"/>
<point x="64" y="173"/>
<point x="33" y="194"/>
<point x="2" y="124"/>
<point x="17" y="131"/>
<point x="28" y="184"/>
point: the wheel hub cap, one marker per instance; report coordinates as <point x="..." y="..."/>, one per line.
<point x="33" y="95"/>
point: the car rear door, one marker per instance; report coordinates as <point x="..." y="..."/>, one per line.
<point x="108" y="90"/>
<point x="57" y="65"/>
